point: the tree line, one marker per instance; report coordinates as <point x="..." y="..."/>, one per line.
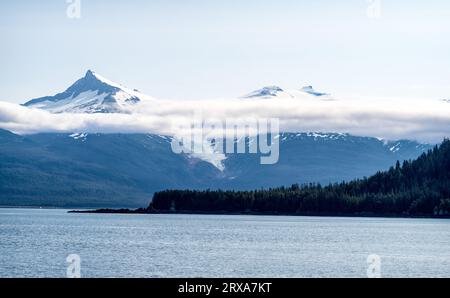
<point x="413" y="188"/>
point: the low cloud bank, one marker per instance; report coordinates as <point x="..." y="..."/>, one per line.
<point x="425" y="121"/>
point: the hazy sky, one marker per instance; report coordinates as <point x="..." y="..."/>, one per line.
<point x="202" y="49"/>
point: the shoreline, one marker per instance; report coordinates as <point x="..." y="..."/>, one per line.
<point x="142" y="211"/>
<point x="54" y="208"/>
<point x="342" y="215"/>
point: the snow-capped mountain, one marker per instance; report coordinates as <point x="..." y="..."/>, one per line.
<point x="278" y="92"/>
<point x="265" y="92"/>
<point x="91" y="94"/>
<point x="312" y="91"/>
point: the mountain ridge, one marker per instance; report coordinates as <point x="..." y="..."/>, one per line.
<point x="124" y="170"/>
<point x="274" y="91"/>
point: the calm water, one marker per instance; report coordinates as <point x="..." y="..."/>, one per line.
<point x="35" y="243"/>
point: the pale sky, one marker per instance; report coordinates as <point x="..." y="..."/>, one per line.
<point x="193" y="49"/>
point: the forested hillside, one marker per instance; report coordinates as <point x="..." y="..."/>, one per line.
<point x="413" y="188"/>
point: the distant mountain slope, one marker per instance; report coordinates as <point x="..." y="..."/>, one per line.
<point x="91" y="94"/>
<point x="124" y="170"/>
<point x="100" y="170"/>
<point x="318" y="157"/>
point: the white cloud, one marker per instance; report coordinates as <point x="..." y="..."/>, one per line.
<point x="389" y="119"/>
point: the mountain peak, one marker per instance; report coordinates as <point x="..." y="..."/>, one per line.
<point x="265" y="92"/>
<point x="90" y="74"/>
<point x="278" y="92"/>
<point x="91" y="94"/>
<point x="310" y="90"/>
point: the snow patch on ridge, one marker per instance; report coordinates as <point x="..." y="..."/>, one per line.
<point x="79" y="136"/>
